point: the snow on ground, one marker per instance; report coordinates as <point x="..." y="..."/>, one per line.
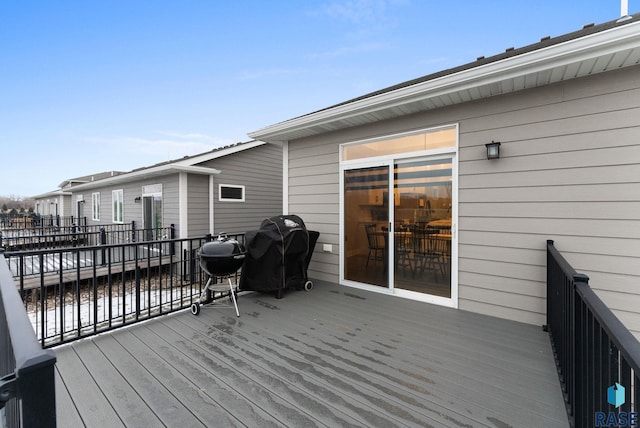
<point x="72" y="320"/>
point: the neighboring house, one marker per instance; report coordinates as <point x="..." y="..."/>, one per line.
<point x="59" y="203"/>
<point x="566" y="111"/>
<point x="229" y="189"/>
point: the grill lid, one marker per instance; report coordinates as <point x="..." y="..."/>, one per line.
<point x="222" y="246"/>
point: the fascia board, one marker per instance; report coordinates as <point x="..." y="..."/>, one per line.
<point x="52" y="193"/>
<point x="149" y="172"/>
<point x="592" y="46"/>
<point x="525" y="64"/>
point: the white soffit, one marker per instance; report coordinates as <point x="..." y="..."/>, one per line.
<point x="607" y="50"/>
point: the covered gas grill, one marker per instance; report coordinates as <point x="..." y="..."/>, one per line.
<point x="219" y="258"/>
<point x="278" y="255"/>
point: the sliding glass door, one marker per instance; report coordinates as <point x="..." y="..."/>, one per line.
<point x="397" y="225"/>
<point x="152" y="212"/>
<point x="366" y="223"/>
<point x="422" y="219"/>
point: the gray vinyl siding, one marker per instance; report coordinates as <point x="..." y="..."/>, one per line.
<point x="133" y="210"/>
<point x="198" y="204"/>
<point x="569" y="171"/>
<point x="170" y="198"/>
<point x="258" y="169"/>
<point x="314" y="196"/>
<point x="68" y="206"/>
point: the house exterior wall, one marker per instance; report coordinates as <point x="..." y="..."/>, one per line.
<point x="258" y="169"/>
<point x="55" y="202"/>
<point x="198" y="205"/>
<point x="66" y="206"/>
<point x="132" y="209"/>
<point x="569" y="168"/>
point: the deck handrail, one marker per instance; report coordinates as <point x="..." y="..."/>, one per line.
<point x="78" y="292"/>
<point x="71" y="236"/>
<point x="594" y="351"/>
<point x="23" y="221"/>
<point x="27" y="386"/>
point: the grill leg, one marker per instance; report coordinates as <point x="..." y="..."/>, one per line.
<point x="233" y="296"/>
<point x="205" y="292"/>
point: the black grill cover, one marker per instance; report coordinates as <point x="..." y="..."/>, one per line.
<point x="278" y="254"/>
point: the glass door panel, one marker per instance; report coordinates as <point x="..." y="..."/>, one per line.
<point x="152" y="216"/>
<point x="366" y="223"/>
<point x="422" y="226"/>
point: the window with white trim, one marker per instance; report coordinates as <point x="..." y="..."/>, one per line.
<point x="95" y="206"/>
<point x="117" y="204"/>
<point x="230" y="193"/>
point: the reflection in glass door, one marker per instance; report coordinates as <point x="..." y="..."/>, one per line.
<point x="417" y="227"/>
<point x="366" y="223"/>
<point x="422" y="226"/>
<point x="152" y="217"/>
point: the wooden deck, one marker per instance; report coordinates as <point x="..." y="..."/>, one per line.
<point x="334" y="356"/>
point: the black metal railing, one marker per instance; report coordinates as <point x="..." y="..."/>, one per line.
<point x="78" y="292"/>
<point x="25" y="221"/>
<point x="37" y="238"/>
<point x="27" y="383"/>
<point x="595" y="353"/>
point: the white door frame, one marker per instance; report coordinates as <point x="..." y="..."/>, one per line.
<point x="389" y="161"/>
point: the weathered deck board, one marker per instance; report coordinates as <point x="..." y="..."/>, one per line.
<point x="334" y="356"/>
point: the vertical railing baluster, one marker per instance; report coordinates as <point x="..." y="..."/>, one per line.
<point x="94" y="281"/>
<point x="42" y="313"/>
<point x="599" y="350"/>
<point x="110" y="288"/>
<point x="77" y="285"/>
<point x="62" y="302"/>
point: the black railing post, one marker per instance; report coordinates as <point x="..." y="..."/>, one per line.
<point x="103" y="242"/>
<point x="579" y="373"/>
<point x="74" y="235"/>
<point x="172" y="233"/>
<point x="137" y="282"/>
<point x="37" y="391"/>
<point x="133" y="231"/>
<point x="27" y="391"/>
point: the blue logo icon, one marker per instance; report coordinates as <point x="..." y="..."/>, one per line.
<point x="616" y="418"/>
<point x="615" y="395"/>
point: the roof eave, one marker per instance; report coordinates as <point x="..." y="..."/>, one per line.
<point x="593" y="46"/>
<point x="204" y="157"/>
<point x="51" y="194"/>
<point x="161" y="170"/>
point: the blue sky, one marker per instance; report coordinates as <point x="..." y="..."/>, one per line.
<point x="90" y="86"/>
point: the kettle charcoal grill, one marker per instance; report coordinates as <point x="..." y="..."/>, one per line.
<point x="219" y="258"/>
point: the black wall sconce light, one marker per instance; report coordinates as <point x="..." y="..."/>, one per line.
<point x="137" y="199"/>
<point x="493" y="150"/>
